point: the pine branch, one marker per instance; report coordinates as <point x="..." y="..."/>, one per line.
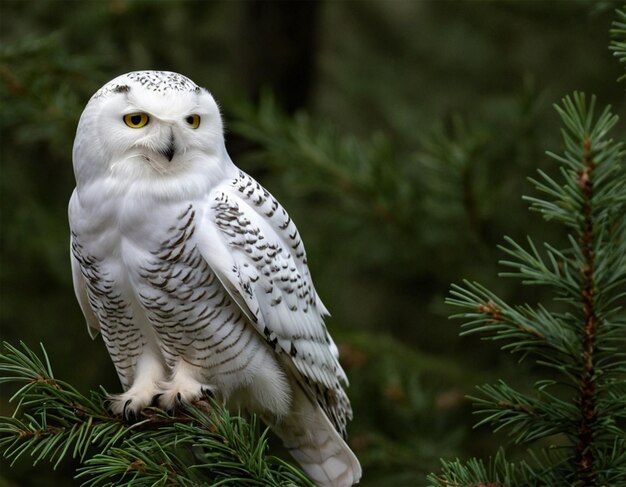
<point x="497" y="473"/>
<point x="585" y="458"/>
<point x="584" y="346"/>
<point x="618" y="34"/>
<point x="200" y="445"/>
<point x="449" y="168"/>
<point x="520" y="326"/>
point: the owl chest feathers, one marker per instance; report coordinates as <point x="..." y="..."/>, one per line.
<point x="147" y="280"/>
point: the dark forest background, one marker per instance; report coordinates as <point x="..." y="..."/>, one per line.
<point x="399" y="136"/>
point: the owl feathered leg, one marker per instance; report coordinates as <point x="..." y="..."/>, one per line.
<point x="185" y="386"/>
<point x="316" y="445"/>
<point x="147" y="374"/>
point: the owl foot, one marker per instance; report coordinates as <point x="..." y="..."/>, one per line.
<point x="184" y="387"/>
<point x="177" y="395"/>
<point x="148" y="374"/>
<point x="129" y="404"/>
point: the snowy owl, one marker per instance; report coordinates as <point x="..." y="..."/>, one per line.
<point x="194" y="274"/>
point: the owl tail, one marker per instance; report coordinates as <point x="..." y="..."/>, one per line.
<point x="320" y="450"/>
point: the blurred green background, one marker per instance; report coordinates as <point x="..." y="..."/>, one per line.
<point x="398" y="134"/>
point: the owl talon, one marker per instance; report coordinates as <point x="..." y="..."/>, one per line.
<point x="127" y="413"/>
<point x="172" y="399"/>
<point x="154" y="402"/>
<point x="131" y="403"/>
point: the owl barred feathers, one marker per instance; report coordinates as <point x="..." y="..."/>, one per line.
<point x="194" y="274"/>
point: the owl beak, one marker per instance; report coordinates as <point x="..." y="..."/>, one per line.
<point x="170" y="148"/>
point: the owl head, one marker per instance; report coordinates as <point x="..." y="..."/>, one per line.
<point x="148" y="125"/>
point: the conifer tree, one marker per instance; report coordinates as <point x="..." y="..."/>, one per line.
<point x="574" y="419"/>
<point x="578" y="340"/>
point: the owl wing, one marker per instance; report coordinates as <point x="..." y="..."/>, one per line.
<point x="255" y="250"/>
<point x="80" y="288"/>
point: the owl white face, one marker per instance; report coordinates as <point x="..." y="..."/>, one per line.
<point x="148" y="122"/>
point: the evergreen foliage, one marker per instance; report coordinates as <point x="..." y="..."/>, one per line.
<point x="618" y="34"/>
<point x="202" y="445"/>
<point x="577" y="409"/>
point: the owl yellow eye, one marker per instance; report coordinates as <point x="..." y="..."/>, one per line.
<point x="193" y="121"/>
<point x="136" y="120"/>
